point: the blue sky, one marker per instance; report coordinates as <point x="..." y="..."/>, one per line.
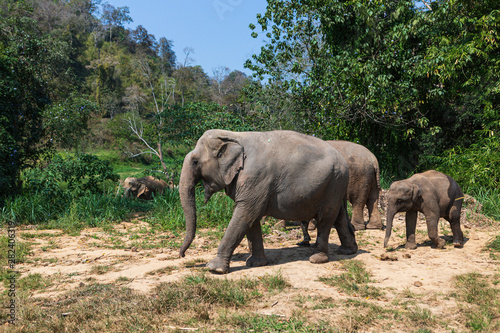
<point x="217" y="30"/>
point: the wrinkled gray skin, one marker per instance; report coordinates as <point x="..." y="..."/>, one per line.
<point x="143" y="188"/>
<point x="435" y="195"/>
<point x="363" y="189"/>
<point x="283" y="174"/>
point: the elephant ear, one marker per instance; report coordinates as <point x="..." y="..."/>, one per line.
<point x="230" y="157"/>
<point x="143" y="190"/>
<point x="416" y="193"/>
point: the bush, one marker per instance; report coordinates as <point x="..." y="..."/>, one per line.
<point x="474" y="167"/>
<point x="65" y="187"/>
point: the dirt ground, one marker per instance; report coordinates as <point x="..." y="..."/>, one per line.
<point x="116" y="256"/>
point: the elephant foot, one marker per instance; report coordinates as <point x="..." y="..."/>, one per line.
<point x="458" y="244"/>
<point x="439" y="243"/>
<point x="304" y="243"/>
<point x="347" y="249"/>
<point x="410" y="246"/>
<point x="375" y="225"/>
<point x="218" y="265"/>
<point x="318" y="258"/>
<point x="359" y="226"/>
<point x="254" y="261"/>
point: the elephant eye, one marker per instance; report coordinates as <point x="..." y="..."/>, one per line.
<point x="399" y="202"/>
<point x="195" y="162"/>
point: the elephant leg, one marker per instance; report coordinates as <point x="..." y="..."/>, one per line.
<point x="304" y="226"/>
<point x="411" y="225"/>
<point x="256" y="245"/>
<point x="432" y="230"/>
<point x="320" y="254"/>
<point x="357" y="219"/>
<point x="375" y="221"/>
<point x="238" y="227"/>
<point x="345" y="230"/>
<point x="454" y="219"/>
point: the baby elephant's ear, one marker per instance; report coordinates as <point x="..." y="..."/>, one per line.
<point x="416" y="193"/>
<point x="230" y="157"/>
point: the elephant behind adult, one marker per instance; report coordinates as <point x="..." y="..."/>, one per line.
<point x="363" y="189"/>
<point x="283" y="174"/>
<point x="364" y="183"/>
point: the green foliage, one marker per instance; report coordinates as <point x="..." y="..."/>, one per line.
<point x="404" y="81"/>
<point x="67" y="122"/>
<point x="82" y="173"/>
<point x="71" y="187"/>
<point x="474" y="167"/>
<point x="185" y="124"/>
<point x="24" y="60"/>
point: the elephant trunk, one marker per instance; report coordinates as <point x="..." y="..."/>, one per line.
<point x="390" y="217"/>
<point x="126" y="194"/>
<point x="187" y="183"/>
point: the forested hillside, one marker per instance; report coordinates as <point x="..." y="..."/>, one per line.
<point x="418" y="83"/>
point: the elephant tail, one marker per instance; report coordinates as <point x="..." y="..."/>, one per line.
<point x="377" y="173"/>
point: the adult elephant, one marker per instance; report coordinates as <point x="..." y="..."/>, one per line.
<point x="283" y="174"/>
<point x="143" y="188"/>
<point x="363" y="189"/>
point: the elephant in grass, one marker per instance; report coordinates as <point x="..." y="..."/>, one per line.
<point x="283" y="174"/>
<point x="144" y="187"/>
<point x="363" y="189"/>
<point x="435" y="195"/>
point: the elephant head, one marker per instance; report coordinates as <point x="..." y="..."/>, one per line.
<point x="216" y="160"/>
<point x="401" y="197"/>
<point x="132" y="187"/>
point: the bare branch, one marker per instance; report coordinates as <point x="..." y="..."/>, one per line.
<point x="427" y="4"/>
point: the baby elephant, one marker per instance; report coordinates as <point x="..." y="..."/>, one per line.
<point x="435" y="195"/>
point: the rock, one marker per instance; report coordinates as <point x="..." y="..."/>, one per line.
<point x="386" y="257"/>
<point x="407" y="255"/>
<point x="418" y="284"/>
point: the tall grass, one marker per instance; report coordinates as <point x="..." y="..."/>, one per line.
<point x="490" y="199"/>
<point x="167" y="210"/>
<point x="70" y="212"/>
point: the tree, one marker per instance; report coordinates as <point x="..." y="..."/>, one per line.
<point x="192" y="83"/>
<point x="167" y="55"/>
<point x="226" y="86"/>
<point x="387" y="73"/>
<point x="26" y="60"/>
<point x="144" y="41"/>
<point x="113" y="17"/>
<point x="160" y="88"/>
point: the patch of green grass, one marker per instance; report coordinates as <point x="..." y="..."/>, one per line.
<point x="160" y="271"/>
<point x="123" y="279"/>
<point x="33" y="282"/>
<point x="494" y="247"/>
<point x="200" y="289"/>
<point x="420" y="317"/>
<point x="100" y="269"/>
<point x="27" y="235"/>
<point x="195" y="262"/>
<point x="275" y="282"/>
<point x="354" y="280"/>
<point x="483" y="302"/>
<point x="251" y="322"/>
